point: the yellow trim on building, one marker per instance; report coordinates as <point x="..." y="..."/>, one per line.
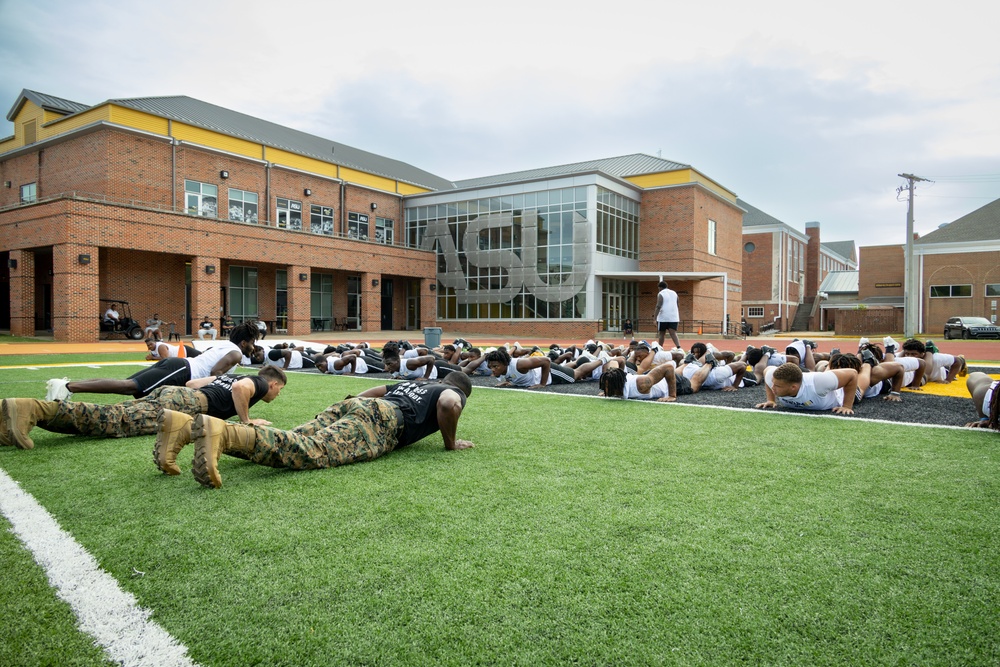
<point x="407" y="189"/>
<point x="210" y="139"/>
<point x="139" y="120"/>
<point x="308" y="164"/>
<point x="680" y="177"/>
<point x="73" y="122"/>
<point x="368" y="180"/>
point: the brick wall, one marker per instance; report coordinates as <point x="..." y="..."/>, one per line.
<point x="881" y="265"/>
<point x="972" y="268"/>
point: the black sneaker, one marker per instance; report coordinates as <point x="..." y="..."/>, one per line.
<point x="809" y="343"/>
<point x="931" y="347"/>
<point x="709" y="358"/>
<point x="834" y="351"/>
<point x="767" y="349"/>
<point x="868" y="358"/>
<point x="749" y="381"/>
<point x="750" y="349"/>
<point x="689" y="358"/>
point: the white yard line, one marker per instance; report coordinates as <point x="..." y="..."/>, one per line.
<point x="103" y="610"/>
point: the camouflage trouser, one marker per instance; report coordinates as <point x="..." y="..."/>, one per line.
<point x="353" y="430"/>
<point x="127" y="419"/>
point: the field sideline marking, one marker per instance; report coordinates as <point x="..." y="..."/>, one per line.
<point x="103" y="610"/>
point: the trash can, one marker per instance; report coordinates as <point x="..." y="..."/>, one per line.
<point x="432" y="336"/>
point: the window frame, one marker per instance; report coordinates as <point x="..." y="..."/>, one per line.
<point x="383" y="225"/>
<point x="244" y="204"/>
<point x="203" y="199"/>
<point x="358" y="226"/>
<point x="292" y="210"/>
<point x="713" y="232"/>
<point x="321" y="219"/>
<point x="755" y="311"/>
<point x="951" y="291"/>
<point x="32" y="195"/>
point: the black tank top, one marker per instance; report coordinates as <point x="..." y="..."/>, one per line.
<point x="220" y="394"/>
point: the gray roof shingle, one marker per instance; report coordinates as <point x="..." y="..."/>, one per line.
<point x="754" y="217"/>
<point x="233" y="123"/>
<point x="845" y="249"/>
<point x="47" y="102"/>
<point x="619" y="167"/>
<point x="983" y="224"/>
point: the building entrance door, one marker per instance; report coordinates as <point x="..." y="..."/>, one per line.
<point x="613" y="312"/>
<point x="386" y="304"/>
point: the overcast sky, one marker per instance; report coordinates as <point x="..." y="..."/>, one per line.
<point x="806" y="110"/>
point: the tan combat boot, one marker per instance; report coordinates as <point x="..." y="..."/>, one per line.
<point x="21" y="415"/>
<point x="212" y="438"/>
<point x="5" y="439"/>
<point x="172" y="434"/>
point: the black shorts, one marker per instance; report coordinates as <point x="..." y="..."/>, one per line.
<point x="173" y="372"/>
<point x="561" y="374"/>
<point x="665" y="326"/>
<point x="683" y="385"/>
<point x="444" y="368"/>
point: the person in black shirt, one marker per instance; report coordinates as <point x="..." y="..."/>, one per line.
<point x="222" y="397"/>
<point x="356" y="429"/>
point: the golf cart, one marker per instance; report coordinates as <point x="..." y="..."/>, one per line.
<point x="126" y="325"/>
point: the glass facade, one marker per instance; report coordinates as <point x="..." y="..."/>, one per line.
<point x="519" y="256"/>
<point x="617" y="224"/>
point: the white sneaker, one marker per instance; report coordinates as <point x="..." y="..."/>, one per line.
<point x="888" y="341"/>
<point x="56" y="390"/>
<point x="862" y="342"/>
<point x="517" y="346"/>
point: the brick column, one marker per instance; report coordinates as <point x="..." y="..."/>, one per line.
<point x="428" y="303"/>
<point x="205" y="290"/>
<point x="22" y="293"/>
<point x="75" y="293"/>
<point x="299" y="321"/>
<point x="371" y="302"/>
<point x="812" y="260"/>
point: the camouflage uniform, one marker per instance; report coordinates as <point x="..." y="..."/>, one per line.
<point x="126" y="419"/>
<point x="351" y="431"/>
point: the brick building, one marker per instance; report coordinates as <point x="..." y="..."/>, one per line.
<point x="191" y="210"/>
<point x="783" y="269"/>
<point x="958" y="265"/>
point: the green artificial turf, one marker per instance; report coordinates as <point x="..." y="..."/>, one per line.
<point x="577" y="531"/>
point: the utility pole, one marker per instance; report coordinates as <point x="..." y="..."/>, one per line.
<point x="911" y="284"/>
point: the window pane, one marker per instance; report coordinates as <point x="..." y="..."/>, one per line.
<point x="961" y="290"/>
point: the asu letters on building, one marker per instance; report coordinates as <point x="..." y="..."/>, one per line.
<point x="193" y="211"/>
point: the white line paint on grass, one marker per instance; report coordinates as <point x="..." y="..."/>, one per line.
<point x="103" y="610"/>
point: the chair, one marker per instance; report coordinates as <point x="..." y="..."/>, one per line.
<point x="340" y="324"/>
<point x="173" y="334"/>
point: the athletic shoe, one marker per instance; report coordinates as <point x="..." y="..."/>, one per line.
<point x="868" y="358"/>
<point x="749" y="350"/>
<point x="809" y="343"/>
<point x="689" y="358"/>
<point x="889" y="342"/>
<point x="767" y="349"/>
<point x="749" y="381"/>
<point x="834" y="351"/>
<point x="709" y="358"/>
<point x="931" y="347"/>
<point x="861" y="343"/>
<point x="56" y="390"/>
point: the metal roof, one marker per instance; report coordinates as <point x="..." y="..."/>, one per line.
<point x="233" y="123"/>
<point x="47" y="102"/>
<point x="983" y="224"/>
<point x="619" y="167"/>
<point x="840" y="282"/>
<point x="754" y="217"/>
<point x="843" y="248"/>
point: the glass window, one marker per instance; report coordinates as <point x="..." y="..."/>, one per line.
<point x="321" y="299"/>
<point x="29" y="193"/>
<point x="755" y="311"/>
<point x="242" y="206"/>
<point x="289" y="214"/>
<point x="384" y="230"/>
<point x="993" y="290"/>
<point x="357" y="226"/>
<point x="201" y="199"/>
<point x="321" y="220"/>
<point x="948" y="291"/>
<point x="242" y="293"/>
<point x="711" y="237"/>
